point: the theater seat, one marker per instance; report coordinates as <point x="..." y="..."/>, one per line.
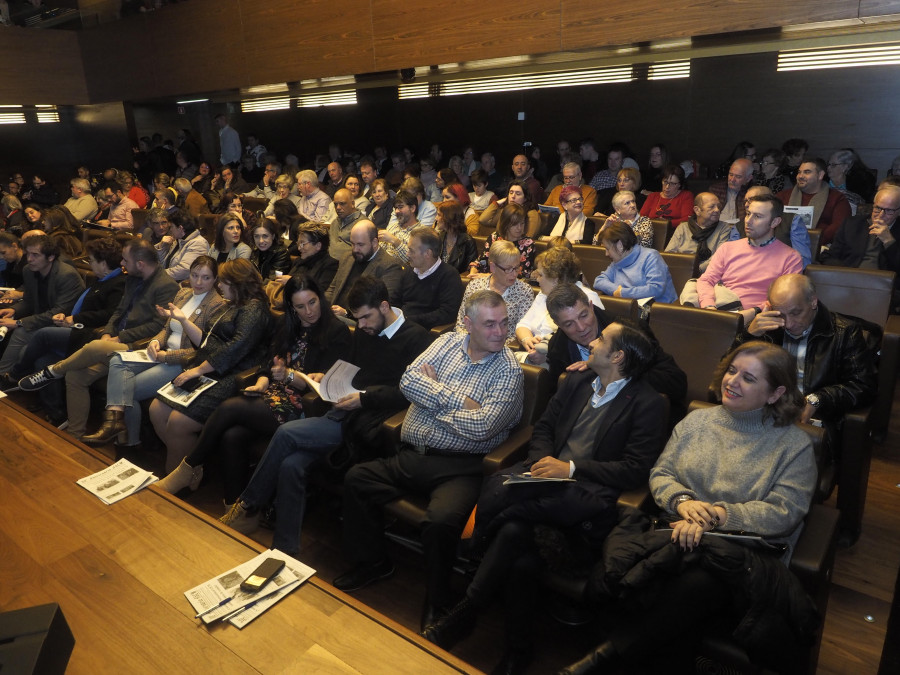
<point x="697" y="339"/>
<point x="593" y="261"/>
<point x="682" y="266"/>
<point x="662" y="232"/>
<point x="254" y="204"/>
<point x="865" y="294"/>
<point x="411" y="509"/>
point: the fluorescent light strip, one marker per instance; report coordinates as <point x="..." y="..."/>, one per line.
<point x="852" y="57"/>
<point x="47" y="114"/>
<point x="669" y="71"/>
<point x="413" y="91"/>
<point x="331" y="98"/>
<point x="193" y="100"/>
<point x="573" y="78"/>
<point x="266" y="104"/>
<point x="12" y="114"/>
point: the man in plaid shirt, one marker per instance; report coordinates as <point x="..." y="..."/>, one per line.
<point x="466" y="392"/>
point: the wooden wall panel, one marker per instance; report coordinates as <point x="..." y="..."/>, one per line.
<point x="41" y="66"/>
<point x="285" y="40"/>
<point x="417" y="34"/>
<point x="589" y="24"/>
<point x="878" y="8"/>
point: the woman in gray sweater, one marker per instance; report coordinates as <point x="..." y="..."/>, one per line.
<point x="739" y="467"/>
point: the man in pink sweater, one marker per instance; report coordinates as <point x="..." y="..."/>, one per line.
<point x="747" y="266"/>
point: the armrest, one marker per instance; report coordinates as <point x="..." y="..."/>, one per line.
<point x="443" y="328"/>
<point x="510" y="451"/>
<point x="638" y="498"/>
<point x="390" y="432"/>
<point x="813" y="558"/>
<point x="140" y="344"/>
<point x="246" y="378"/>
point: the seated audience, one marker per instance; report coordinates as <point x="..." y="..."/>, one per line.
<point x="366" y="258"/>
<point x="181" y="245"/>
<point x="270" y="256"/>
<point x="510" y="227"/>
<point x="128" y="382"/>
<point x="702" y="233"/>
<point x="135" y="318"/>
<point x="132" y="189"/>
<point x="830" y="207"/>
<point x="480" y="197"/>
<point x="158" y="225"/>
<point x="233" y="343"/>
<point x="353" y="185"/>
<point x="651" y="177"/>
<point x="458" y="249"/>
<point x="14" y="261"/>
<point x="772" y="173"/>
<point x="627" y="179"/>
<point x="346" y="216"/>
<point x="554" y="266"/>
<point x="354" y="420"/>
<point x="732" y="191"/>
<point x="50" y="287"/>
<point x="315" y="260"/>
<point x="455" y="192"/>
<point x="673" y="202"/>
<point x="604" y="428"/>
<point x="517" y="193"/>
<point x="309" y="340"/>
<point x="120" y="207"/>
<point x="869" y="241"/>
<point x="740" y="272"/>
<point x="791" y="230"/>
<point x="635" y="272"/>
<point x="228" y="244"/>
<point x="571" y="175"/>
<point x="63" y="229"/>
<point x="695" y="483"/>
<point x="395" y="237"/>
<point x="283" y="185"/>
<point x="12" y="218"/>
<point x="466" y="394"/>
<point x="381" y="208"/>
<point x="625" y="210"/>
<point x="81" y="204"/>
<point x="504" y="262"/>
<point x="430" y="289"/>
<point x="314" y="203"/>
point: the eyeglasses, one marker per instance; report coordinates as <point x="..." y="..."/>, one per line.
<point x="881" y="209"/>
<point x="673" y="183"/>
<point x="507" y="270"/>
<point x="575" y="200"/>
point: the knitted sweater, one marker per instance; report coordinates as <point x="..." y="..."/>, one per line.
<point x="747" y="270"/>
<point x="762" y="475"/>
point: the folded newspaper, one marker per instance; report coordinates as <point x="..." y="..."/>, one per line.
<point x="118" y="481"/>
<point x="516" y="478"/>
<point x="181" y="396"/>
<point x="221" y="598"/>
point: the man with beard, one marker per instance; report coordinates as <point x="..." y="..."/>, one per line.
<point x="364" y="259"/>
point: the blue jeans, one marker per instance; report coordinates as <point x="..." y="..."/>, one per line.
<point x="294" y="447"/>
<point x="127" y="384"/>
<point x="46" y="346"/>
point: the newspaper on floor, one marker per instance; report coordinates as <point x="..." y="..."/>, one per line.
<point x="117" y="481"/>
<point x="337" y="382"/>
<point x="223" y="594"/>
<point x="181" y="396"/>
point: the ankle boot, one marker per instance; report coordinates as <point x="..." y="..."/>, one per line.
<point x="602" y="660"/>
<point x="453" y="626"/>
<point x="183" y="476"/>
<point x="113" y="425"/>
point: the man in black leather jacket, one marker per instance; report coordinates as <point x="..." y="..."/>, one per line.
<point x="836" y="366"/>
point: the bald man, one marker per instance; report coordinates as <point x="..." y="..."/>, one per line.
<point x="702" y="233"/>
<point x="731" y="192"/>
<point x="347" y="216"/>
<point x="521" y="170"/>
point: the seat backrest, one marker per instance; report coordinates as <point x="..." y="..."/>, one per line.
<point x="537" y="393"/>
<point x="599" y="222"/>
<point x="662" y="232"/>
<point x="139" y="218"/>
<point x="479" y="243"/>
<point x="206" y="223"/>
<point x="620" y="308"/>
<point x="697" y="339"/>
<point x="593" y="261"/>
<point x="682" y="266"/>
<point x="254" y="204"/>
<point x="814" y="237"/>
<point x="863" y="293"/>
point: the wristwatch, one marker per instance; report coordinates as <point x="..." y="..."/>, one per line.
<point x="18" y="323"/>
<point x="813" y="400"/>
<point x="679" y="500"/>
<point x="290" y="377"/>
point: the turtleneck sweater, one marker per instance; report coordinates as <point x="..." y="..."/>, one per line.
<point x="762" y="475"/>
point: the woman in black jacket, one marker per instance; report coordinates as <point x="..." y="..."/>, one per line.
<point x="309" y="340"/>
<point x="232" y="344"/>
<point x="382" y="207"/>
<point x="269" y="253"/>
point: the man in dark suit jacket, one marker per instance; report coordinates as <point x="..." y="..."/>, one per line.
<point x="603" y="429"/>
<point x="364" y="259"/>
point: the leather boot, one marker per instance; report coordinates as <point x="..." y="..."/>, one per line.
<point x="113" y="425"/>
<point x="453" y="626"/>
<point x="603" y="659"/>
<point x="184" y="475"/>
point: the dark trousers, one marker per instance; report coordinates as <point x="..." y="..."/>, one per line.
<point x="228" y="434"/>
<point x="451" y="483"/>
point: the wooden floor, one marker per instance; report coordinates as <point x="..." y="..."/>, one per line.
<point x="855" y="623"/>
